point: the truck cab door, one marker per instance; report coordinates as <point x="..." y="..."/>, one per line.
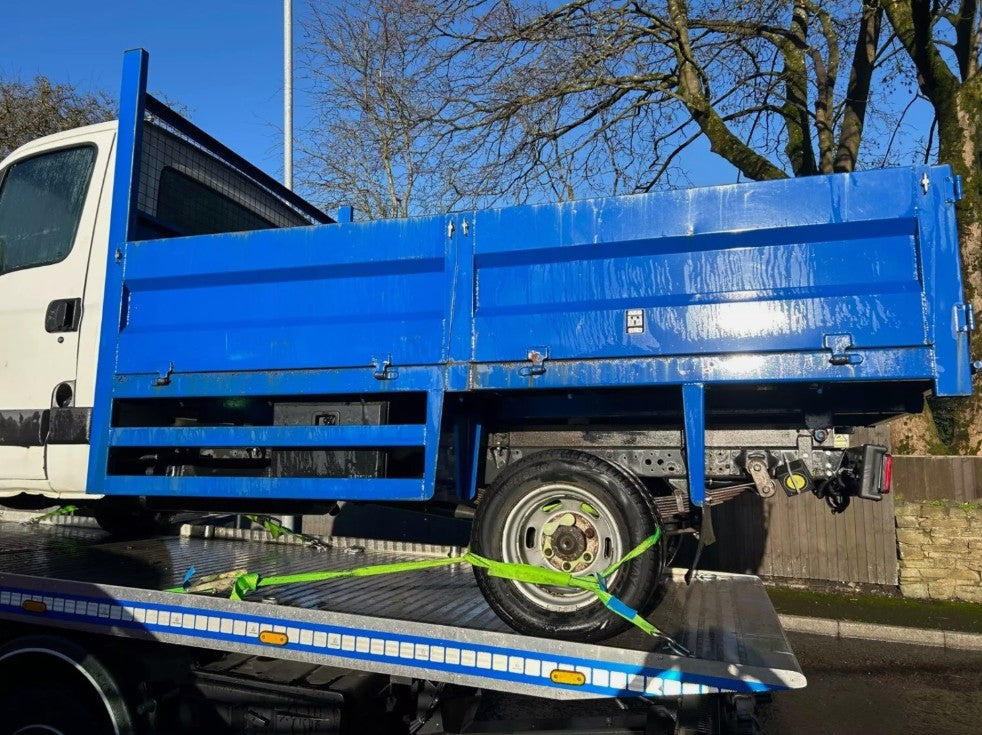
<point x="49" y="196"/>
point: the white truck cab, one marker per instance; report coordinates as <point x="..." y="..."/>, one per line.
<point x="55" y="204"/>
<point x="54" y="227"/>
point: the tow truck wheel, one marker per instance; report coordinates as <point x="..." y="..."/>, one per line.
<point x="572" y="512"/>
<point x="55" y="687"/>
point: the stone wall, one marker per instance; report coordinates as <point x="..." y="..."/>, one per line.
<point x="940" y="546"/>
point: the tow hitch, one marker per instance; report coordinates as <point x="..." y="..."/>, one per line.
<point x="864" y="472"/>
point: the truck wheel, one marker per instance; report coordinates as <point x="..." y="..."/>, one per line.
<point x="55" y="686"/>
<point x="573" y="512"/>
<point x="127" y="521"/>
<point x="664" y="551"/>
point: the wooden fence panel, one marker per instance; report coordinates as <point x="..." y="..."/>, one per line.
<point x="938" y="478"/>
<point x="800" y="538"/>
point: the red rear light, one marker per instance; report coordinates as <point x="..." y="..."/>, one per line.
<point x="887" y="473"/>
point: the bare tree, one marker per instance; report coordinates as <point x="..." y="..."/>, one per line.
<point x="391" y="89"/>
<point x="776" y="87"/>
<point x="381" y="87"/>
<point x="29" y="110"/>
<point x="942" y="40"/>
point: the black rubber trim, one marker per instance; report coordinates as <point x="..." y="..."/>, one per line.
<point x="69" y="425"/>
<point x="27" y="428"/>
<point x="37" y="427"/>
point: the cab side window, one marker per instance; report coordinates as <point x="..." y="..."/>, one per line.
<point x="41" y="201"/>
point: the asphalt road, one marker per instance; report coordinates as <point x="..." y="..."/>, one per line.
<point x="863" y="687"/>
<point x="854" y="688"/>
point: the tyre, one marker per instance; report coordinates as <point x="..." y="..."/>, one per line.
<point x="55" y="686"/>
<point x="129" y="521"/>
<point x="573" y="512"/>
<point x="666" y="547"/>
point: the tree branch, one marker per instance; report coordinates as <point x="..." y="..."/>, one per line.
<point x="696" y="98"/>
<point x="857" y="93"/>
<point x="913" y="24"/>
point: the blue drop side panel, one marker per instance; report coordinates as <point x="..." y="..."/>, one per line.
<point x="335" y="295"/>
<point x="717" y="270"/>
<point x="943" y="285"/>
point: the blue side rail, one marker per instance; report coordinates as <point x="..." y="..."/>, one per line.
<point x="827" y="280"/>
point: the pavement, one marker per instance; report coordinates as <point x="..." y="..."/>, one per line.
<point x="882" y="632"/>
<point x="884" y="618"/>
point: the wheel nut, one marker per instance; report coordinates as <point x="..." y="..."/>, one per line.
<point x="547" y="552"/>
<point x="567" y="566"/>
<point x="590" y="532"/>
<point x="588" y="557"/>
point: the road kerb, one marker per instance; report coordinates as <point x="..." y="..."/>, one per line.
<point x="884" y="633"/>
<point x="891" y="633"/>
<point x="963" y="641"/>
<point x="818" y="626"/>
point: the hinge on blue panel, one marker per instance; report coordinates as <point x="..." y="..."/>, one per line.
<point x="164" y="378"/>
<point x="840" y="345"/>
<point x="964" y="318"/>
<point x="955" y="195"/>
<point x="537" y="356"/>
<point x="383" y="369"/>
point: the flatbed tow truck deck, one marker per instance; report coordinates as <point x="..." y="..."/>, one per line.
<point x="431" y="625"/>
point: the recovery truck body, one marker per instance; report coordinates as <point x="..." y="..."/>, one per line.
<point x="91" y="645"/>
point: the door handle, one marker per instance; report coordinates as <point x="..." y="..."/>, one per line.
<point x="63" y="315"/>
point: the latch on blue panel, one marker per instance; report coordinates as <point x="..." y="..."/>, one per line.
<point x="383" y="369"/>
<point x="840" y="345"/>
<point x="964" y="317"/>
<point x="164" y="378"/>
<point x="537" y="356"/>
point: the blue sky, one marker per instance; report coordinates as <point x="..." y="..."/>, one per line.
<point x="221" y="58"/>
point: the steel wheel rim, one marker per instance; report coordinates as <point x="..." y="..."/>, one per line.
<point x="538" y="522"/>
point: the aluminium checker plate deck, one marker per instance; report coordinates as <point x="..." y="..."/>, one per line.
<point x="430" y="624"/>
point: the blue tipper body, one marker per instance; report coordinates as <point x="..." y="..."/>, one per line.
<point x="828" y="279"/>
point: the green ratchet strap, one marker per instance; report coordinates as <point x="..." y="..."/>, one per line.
<point x="248" y="583"/>
<point x="276" y="530"/>
<point x="62" y="511"/>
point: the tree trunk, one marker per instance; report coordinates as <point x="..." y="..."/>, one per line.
<point x="956" y="102"/>
<point x="960" y="145"/>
